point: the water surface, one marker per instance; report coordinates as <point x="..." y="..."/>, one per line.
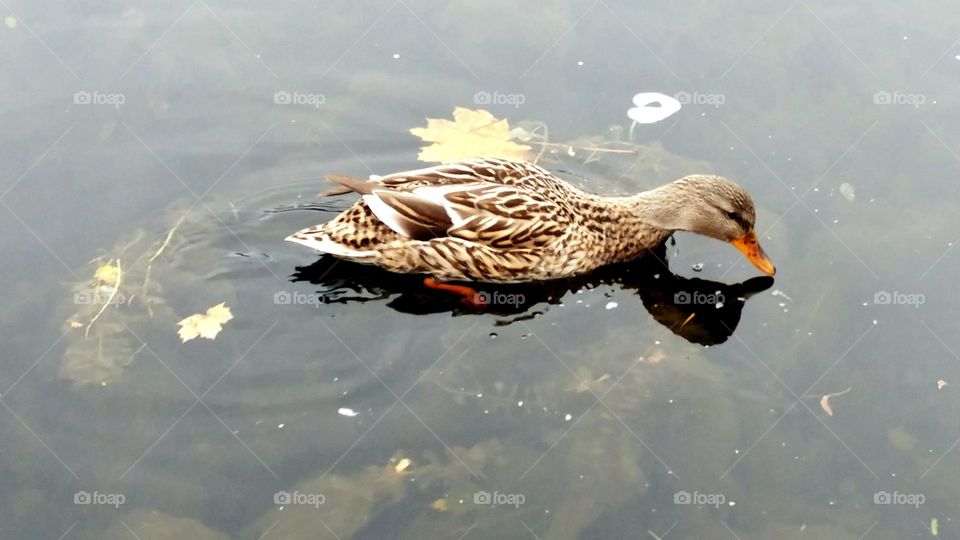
<point x="588" y="413"/>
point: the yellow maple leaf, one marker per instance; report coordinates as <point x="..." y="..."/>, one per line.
<point x="472" y="133"/>
<point x="206" y="325"/>
<point x="107" y="274"/>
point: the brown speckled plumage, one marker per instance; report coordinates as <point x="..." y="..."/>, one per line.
<point x="499" y="220"/>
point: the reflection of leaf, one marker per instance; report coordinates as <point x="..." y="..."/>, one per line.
<point x="472" y="133"/>
<point x="206" y="325"/>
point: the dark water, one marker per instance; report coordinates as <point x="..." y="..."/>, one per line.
<point x="592" y="411"/>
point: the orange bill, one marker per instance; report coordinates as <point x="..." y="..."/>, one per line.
<point x="751" y="249"/>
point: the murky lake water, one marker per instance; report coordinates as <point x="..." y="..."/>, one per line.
<point x="594" y="410"/>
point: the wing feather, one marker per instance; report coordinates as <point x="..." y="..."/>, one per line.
<point x="498" y="203"/>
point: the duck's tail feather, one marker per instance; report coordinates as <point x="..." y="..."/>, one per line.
<point x="347" y="185"/>
<point x="324" y="244"/>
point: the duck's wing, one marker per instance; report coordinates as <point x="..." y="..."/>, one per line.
<point x="469" y="171"/>
<point x="498" y="216"/>
<point x="495" y="202"/>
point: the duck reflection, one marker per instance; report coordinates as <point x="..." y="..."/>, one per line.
<point x="699" y="310"/>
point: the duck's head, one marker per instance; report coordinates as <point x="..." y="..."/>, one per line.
<point x="716" y="207"/>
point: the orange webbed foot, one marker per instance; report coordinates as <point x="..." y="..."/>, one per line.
<point x="468" y="296"/>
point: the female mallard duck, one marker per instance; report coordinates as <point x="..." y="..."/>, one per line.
<point x="499" y="220"/>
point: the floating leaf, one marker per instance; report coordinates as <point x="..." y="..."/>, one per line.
<point x="107" y="274"/>
<point x="825" y="400"/>
<point x="403" y="465"/>
<point x="440" y="505"/>
<point x="206" y="325"/>
<point x="472" y="133"/>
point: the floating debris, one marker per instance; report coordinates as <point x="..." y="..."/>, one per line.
<point x="697" y="267"/>
<point x="940" y="384"/>
<point x="403" y="465"/>
<point x="612" y="305"/>
<point x="825" y="400"/>
<point x="344" y="411"/>
<point x="652" y="107"/>
<point x="778" y="292"/>
<point x="848" y="191"/>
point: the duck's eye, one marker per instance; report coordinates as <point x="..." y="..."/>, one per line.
<point x="733" y="216"/>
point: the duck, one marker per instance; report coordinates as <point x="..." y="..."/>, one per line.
<point x="497" y="220"/>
